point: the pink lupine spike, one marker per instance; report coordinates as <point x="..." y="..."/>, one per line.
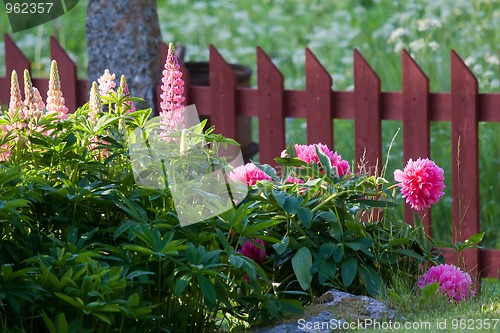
<point x="16" y="101"/>
<point x="95" y="104"/>
<point x="55" y="100"/>
<point x="172" y="96"/>
<point x="31" y="99"/>
<point x="126" y="91"/>
<point x="106" y="83"/>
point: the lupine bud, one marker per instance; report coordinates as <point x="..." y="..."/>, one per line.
<point x="95" y="103"/>
<point x="125" y="91"/>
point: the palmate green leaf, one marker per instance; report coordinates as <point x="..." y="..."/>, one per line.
<point x="292" y="162"/>
<point x="302" y="263"/>
<point x="74" y="301"/>
<point x="349" y="270"/>
<point x="281" y="246"/>
<point x="327" y="270"/>
<point x="324" y="162"/>
<point x="371" y="280"/>
<point x="181" y="282"/>
<point x="207" y="289"/>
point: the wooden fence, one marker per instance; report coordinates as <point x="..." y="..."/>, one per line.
<point x="415" y="106"/>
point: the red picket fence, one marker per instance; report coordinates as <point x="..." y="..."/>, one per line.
<point x="367" y="105"/>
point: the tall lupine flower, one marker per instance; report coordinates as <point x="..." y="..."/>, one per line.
<point x="421" y="182"/>
<point x="125" y="91"/>
<point x="55" y="99"/>
<point x="33" y="103"/>
<point x="247" y="174"/>
<point x="95" y="104"/>
<point x="172" y="99"/>
<point x="106" y="83"/>
<point x="453" y="282"/>
<point x="16" y="103"/>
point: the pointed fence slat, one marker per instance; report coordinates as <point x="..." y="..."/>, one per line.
<point x="465" y="155"/>
<point x="367" y="115"/>
<point x="416" y="128"/>
<point x="67" y="74"/>
<point x="319" y="105"/>
<point x="222" y="95"/>
<point x="271" y="112"/>
<point x="14" y="60"/>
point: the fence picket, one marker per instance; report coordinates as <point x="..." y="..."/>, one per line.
<point x="416" y="120"/>
<point x="319" y="104"/>
<point x="271" y="109"/>
<point x="465" y="165"/>
<point x="367" y="115"/>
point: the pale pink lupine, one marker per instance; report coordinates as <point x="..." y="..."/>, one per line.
<point x="55" y="99"/>
<point x="125" y="91"/>
<point x="16" y="103"/>
<point x="95" y="104"/>
<point x="172" y="96"/>
<point x="106" y="83"/>
<point x="33" y="103"/>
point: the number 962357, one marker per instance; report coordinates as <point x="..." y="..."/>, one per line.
<point x="28" y="7"/>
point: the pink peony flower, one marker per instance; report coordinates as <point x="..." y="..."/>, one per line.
<point x="172" y="96"/>
<point x="307" y="153"/>
<point x="106" y="83"/>
<point x="453" y="282"/>
<point x="55" y="99"/>
<point x="295" y="180"/>
<point x="248" y="174"/>
<point x="421" y="182"/>
<point x="253" y="251"/>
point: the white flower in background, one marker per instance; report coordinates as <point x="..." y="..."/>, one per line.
<point x="428" y="24"/>
<point x="417" y="45"/>
<point x="397" y="34"/>
<point x="491" y="59"/>
<point x="433" y="45"/>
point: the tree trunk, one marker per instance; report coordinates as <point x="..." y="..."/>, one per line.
<point x="124" y="36"/>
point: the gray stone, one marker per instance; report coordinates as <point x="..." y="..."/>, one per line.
<point x="124" y="36"/>
<point x="331" y="310"/>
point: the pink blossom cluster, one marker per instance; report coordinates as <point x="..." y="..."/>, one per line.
<point x="106" y="83"/>
<point x="307" y="153"/>
<point x="421" y="182"/>
<point x="255" y="250"/>
<point x="247" y="174"/>
<point x="453" y="282"/>
<point x="172" y="96"/>
<point x="55" y="99"/>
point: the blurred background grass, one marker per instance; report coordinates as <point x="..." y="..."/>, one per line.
<point x="380" y="29"/>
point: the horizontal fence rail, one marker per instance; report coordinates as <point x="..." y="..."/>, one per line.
<point x="415" y="106"/>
